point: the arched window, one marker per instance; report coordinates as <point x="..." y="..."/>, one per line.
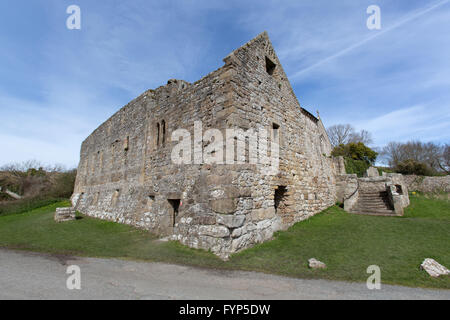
<point x="157" y="134"/>
<point x="163" y="125"/>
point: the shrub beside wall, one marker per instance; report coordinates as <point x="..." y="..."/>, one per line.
<point x="26" y="204"/>
<point x="38" y="188"/>
<point x="356" y="166"/>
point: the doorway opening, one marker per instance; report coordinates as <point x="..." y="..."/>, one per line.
<point x="280" y="197"/>
<point x="175" y="203"/>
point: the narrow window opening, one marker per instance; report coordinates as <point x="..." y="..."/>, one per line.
<point x="150" y="200"/>
<point x="157" y="134"/>
<point x="275" y="128"/>
<point x="270" y="66"/>
<point x="163" y="125"/>
<point x="175" y="203"/>
<point x="126" y="144"/>
<point x="399" y="189"/>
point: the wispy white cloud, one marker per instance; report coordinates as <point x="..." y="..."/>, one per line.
<point x="59" y="85"/>
<point x="414" y="123"/>
<point x="82" y="77"/>
<point x="50" y="130"/>
<point x="393" y="82"/>
<point x="409" y="17"/>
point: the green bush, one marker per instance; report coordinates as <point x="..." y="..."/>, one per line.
<point x="414" y="167"/>
<point x="42" y="188"/>
<point x="356" y="166"/>
<point x="63" y="184"/>
<point x="358" y="157"/>
<point x="355" y="151"/>
<point x="384" y="169"/>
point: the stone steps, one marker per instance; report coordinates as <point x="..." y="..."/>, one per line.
<point x="375" y="210"/>
<point x="368" y="208"/>
<point x="369" y="203"/>
<point x="374" y="203"/>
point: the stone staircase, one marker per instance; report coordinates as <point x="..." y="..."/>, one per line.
<point x="374" y="203"/>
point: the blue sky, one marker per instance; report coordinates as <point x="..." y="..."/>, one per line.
<point x="57" y="85"/>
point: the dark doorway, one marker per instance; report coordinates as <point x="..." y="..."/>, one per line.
<point x="175" y="203"/>
<point x="280" y="196"/>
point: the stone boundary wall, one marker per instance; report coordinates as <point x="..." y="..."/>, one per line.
<point x="346" y="186"/>
<point x="427" y="184"/>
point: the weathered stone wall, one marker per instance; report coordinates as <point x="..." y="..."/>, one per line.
<point x="305" y="166"/>
<point x="428" y="184"/>
<point x="126" y="173"/>
<point x="339" y="165"/>
<point x="346" y="187"/>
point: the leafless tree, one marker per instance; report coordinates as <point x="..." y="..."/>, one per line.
<point x="345" y="133"/>
<point x="430" y="153"/>
<point x="22" y="166"/>
<point x="340" y="134"/>
<point x="363" y="136"/>
<point x="444" y="162"/>
<point x="32" y="164"/>
<point x="392" y="154"/>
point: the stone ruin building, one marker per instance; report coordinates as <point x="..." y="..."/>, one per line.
<point x="126" y="173"/>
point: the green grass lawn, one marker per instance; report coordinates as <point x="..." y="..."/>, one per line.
<point x="347" y="243"/>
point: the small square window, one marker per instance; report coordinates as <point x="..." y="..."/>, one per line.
<point x="270" y="66"/>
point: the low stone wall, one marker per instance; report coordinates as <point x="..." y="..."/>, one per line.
<point x="346" y="186"/>
<point x="427" y="184"/>
<point x="65" y="214"/>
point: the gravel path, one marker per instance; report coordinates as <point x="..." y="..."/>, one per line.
<point x="26" y="275"/>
